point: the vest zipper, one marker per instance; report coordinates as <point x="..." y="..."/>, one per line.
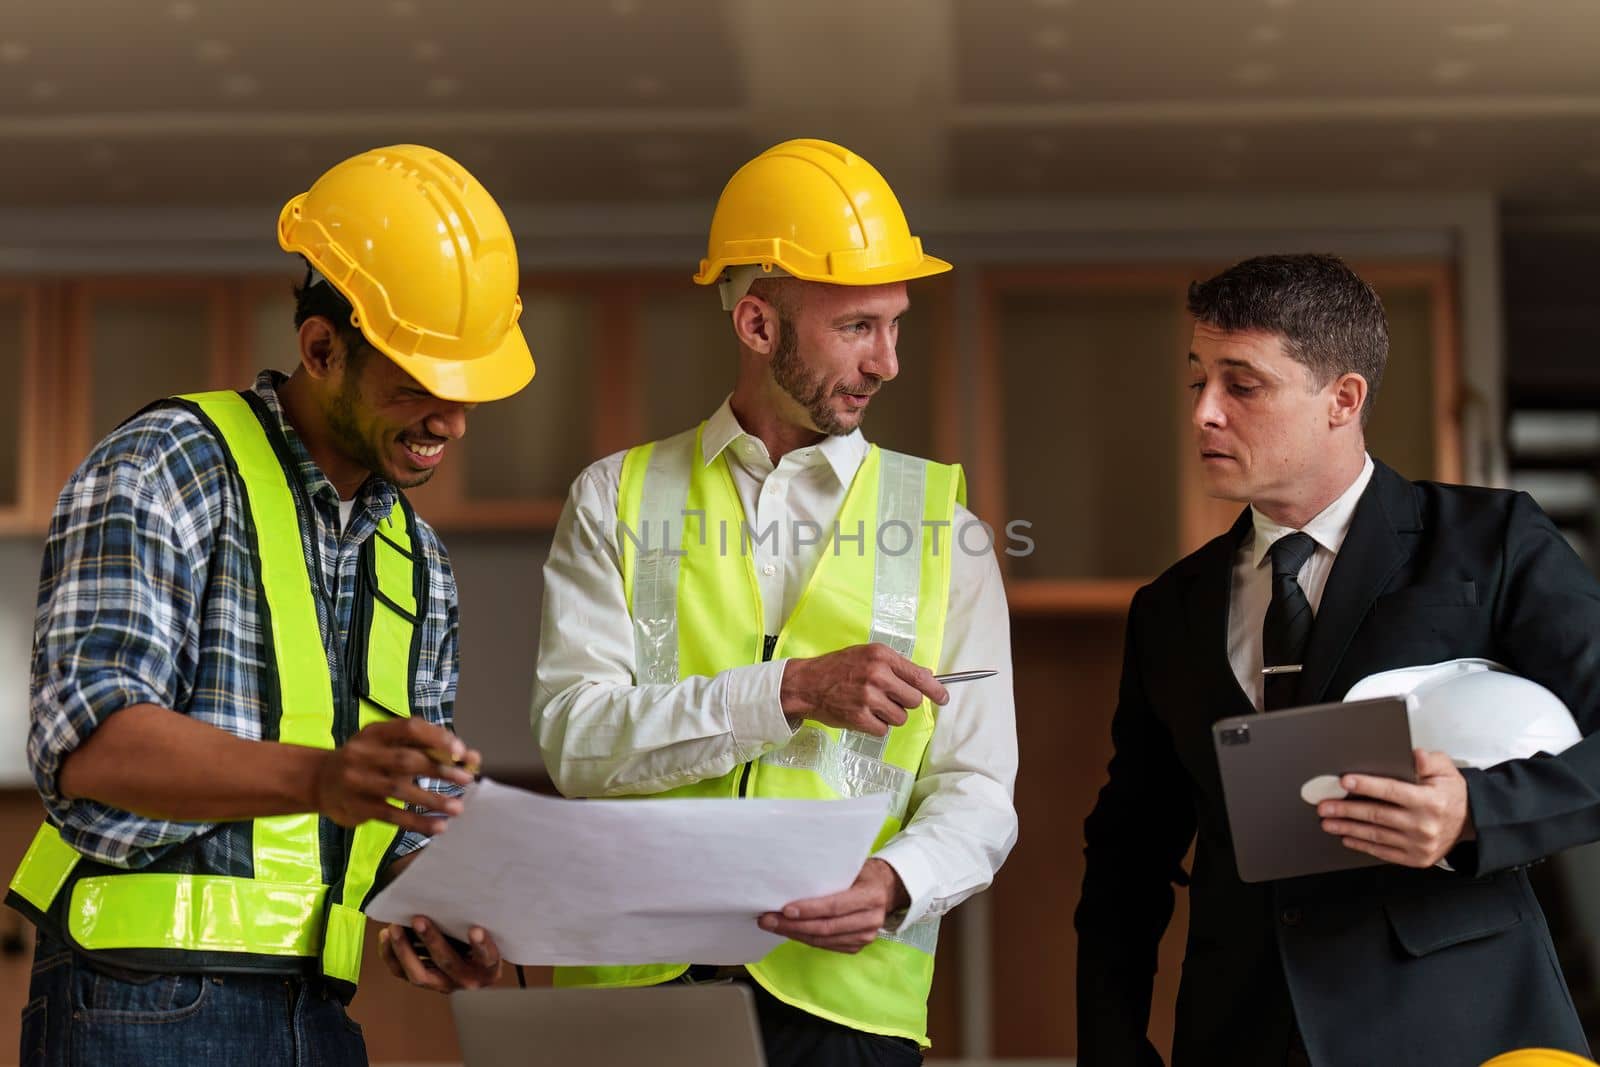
<point x="768" y="645"/>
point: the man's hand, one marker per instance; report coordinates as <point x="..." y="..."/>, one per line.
<point x="1412" y="825"/>
<point x="356" y="780"/>
<point x="847" y="921"/>
<point x="865" y="688"/>
<point x="444" y="970"/>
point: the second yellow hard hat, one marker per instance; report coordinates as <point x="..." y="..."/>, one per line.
<point x="817" y="211"/>
<point x="428" y="263"/>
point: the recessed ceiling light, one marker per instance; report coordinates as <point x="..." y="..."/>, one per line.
<point x="239" y="86"/>
<point x="1450" y="71"/>
<point x="646" y="85"/>
<point x="183" y="10"/>
<point x="44" y="90"/>
<point x="441" y="86"/>
<point x="13" y="51"/>
<point x="1048" y="80"/>
<point x="1050" y="38"/>
<point x="1266" y="34"/>
<point x="1254" y="73"/>
<point x="213" y="51"/>
<point x="1479" y="32"/>
<point x="427" y="51"/>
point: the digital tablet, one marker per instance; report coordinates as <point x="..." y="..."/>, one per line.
<point x="1276" y="766"/>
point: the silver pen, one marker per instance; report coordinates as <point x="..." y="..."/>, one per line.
<point x="963" y="676"/>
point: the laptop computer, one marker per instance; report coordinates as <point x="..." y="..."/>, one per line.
<point x="1275" y="765"/>
<point x="659" y="1026"/>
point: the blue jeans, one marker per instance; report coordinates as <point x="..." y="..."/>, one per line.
<point x="91" y="1016"/>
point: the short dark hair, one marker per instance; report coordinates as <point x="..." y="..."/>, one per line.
<point x="316" y="296"/>
<point x="1330" y="320"/>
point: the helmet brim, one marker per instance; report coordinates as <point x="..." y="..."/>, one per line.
<point x="926" y="267"/>
<point x="495" y="376"/>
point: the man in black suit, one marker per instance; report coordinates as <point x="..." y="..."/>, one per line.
<point x="1344" y="567"/>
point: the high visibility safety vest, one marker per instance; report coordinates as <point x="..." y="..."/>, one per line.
<point x="311" y="877"/>
<point x="696" y="607"/>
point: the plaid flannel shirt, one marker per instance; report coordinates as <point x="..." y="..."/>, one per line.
<point x="148" y="595"/>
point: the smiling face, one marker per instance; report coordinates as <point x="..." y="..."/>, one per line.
<point x="1267" y="433"/>
<point x="836" y="347"/>
<point x="382" y="421"/>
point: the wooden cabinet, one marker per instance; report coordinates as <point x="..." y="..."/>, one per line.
<point x="130" y="342"/>
<point x="1080" y="430"/>
<point x="513" y="467"/>
<point x="25" y="425"/>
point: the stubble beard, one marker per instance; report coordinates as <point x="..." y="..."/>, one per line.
<point x="808" y="390"/>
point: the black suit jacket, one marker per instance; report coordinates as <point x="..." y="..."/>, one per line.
<point x="1383" y="965"/>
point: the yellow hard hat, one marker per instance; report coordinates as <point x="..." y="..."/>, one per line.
<point x="1539" y="1057"/>
<point x="427" y="261"/>
<point x="818" y="211"/>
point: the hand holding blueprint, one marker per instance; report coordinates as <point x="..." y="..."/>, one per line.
<point x="630" y="881"/>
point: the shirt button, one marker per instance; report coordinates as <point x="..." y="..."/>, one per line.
<point x="769" y="570"/>
<point x="1290" y="916"/>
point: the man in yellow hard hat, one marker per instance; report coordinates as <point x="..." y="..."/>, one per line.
<point x="245" y="657"/>
<point x="784" y="641"/>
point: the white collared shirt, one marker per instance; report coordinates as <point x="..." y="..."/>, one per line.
<point x="1252" y="577"/>
<point x="603" y="735"/>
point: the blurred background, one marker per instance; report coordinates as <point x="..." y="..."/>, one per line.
<point x="1081" y="161"/>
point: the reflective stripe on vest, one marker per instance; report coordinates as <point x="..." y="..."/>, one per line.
<point x="285" y="909"/>
<point x="695" y="600"/>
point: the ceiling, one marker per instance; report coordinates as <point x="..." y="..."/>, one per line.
<point x="223" y="102"/>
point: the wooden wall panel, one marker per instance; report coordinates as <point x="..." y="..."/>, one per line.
<point x="1066" y="683"/>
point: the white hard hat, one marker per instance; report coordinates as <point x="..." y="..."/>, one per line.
<point x="1475" y="711"/>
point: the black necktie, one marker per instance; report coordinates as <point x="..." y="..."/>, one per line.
<point x="1288" y="622"/>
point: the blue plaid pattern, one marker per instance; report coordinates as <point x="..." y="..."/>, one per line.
<point x="148" y="596"/>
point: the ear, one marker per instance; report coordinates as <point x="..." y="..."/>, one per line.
<point x="1347" y="396"/>
<point x="320" y="351"/>
<point x="755" y="322"/>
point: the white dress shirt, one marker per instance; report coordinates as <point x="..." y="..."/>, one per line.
<point x="603" y="735"/>
<point x="1252" y="578"/>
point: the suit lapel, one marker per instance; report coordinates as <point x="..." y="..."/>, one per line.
<point x="1206" y="594"/>
<point x="1376" y="546"/>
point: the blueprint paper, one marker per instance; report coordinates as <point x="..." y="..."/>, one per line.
<point x="574" y="882"/>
